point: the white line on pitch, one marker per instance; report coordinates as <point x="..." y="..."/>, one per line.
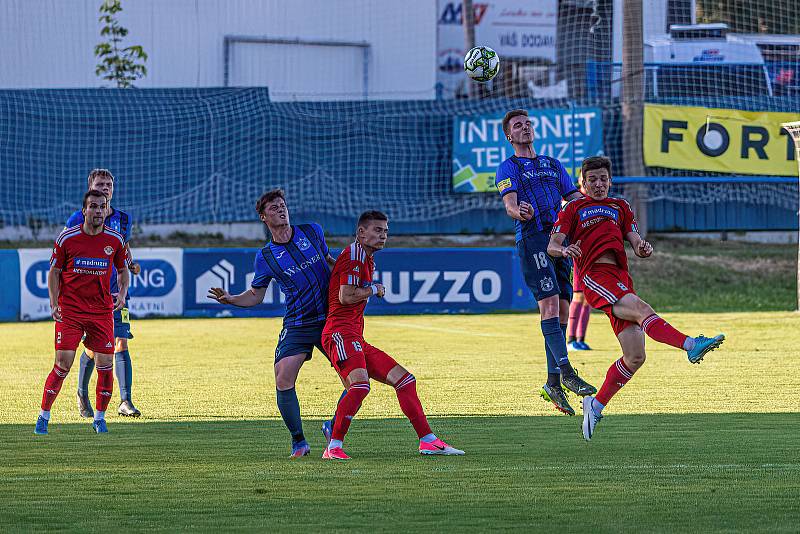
<point x="446" y="330"/>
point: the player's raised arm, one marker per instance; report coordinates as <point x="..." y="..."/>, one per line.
<point x="556" y="249"/>
<point x="521" y="211"/>
<point x="353" y="294"/>
<point x="641" y="248"/>
<point x="246" y="299"/>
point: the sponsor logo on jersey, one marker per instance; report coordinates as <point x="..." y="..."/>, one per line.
<point x="279" y="254"/>
<point x="622" y="286"/>
<point x="598" y="211"/>
<point x="294" y="269"/>
<point x="108" y="250"/>
<point x="546" y="283"/>
<point x="91" y="263"/>
<point x="502" y="185"/>
<point x="303" y="244"/>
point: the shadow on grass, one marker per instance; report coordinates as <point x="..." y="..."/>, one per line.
<point x="699" y="472"/>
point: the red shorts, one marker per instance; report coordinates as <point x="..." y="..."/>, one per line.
<point x="605" y="285"/>
<point x="348" y="351"/>
<point x="99" y="330"/>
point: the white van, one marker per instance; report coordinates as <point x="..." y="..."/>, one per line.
<point x="699" y="60"/>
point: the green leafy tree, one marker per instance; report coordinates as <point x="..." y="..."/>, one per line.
<point x="122" y="66"/>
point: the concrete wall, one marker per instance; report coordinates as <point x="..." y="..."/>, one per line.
<point x="50" y="43"/>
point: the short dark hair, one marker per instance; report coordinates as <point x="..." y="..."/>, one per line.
<point x="510" y="115"/>
<point x="93" y="193"/>
<point x="95" y="173"/>
<point x="268" y="197"/>
<point x="371" y="215"/>
<point x="595" y="162"/>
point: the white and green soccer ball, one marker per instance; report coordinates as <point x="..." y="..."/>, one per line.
<point x="482" y="64"/>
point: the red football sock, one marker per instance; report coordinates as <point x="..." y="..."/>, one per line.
<point x="583" y="321"/>
<point x="663" y="332"/>
<point x="406" y="390"/>
<point x="52" y="386"/>
<point x="105" y="385"/>
<point x="348" y="408"/>
<point x="616" y="377"/>
<point x="574" y="314"/>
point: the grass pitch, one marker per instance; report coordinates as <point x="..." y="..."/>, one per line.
<point x="706" y="448"/>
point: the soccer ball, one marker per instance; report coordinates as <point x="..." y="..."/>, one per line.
<point x="482" y="64"/>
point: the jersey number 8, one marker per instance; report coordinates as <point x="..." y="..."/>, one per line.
<point x="541" y="260"/>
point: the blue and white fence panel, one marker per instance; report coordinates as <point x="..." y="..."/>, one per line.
<point x="175" y="282"/>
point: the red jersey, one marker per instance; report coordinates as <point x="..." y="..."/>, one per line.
<point x="354" y="267"/>
<point x="85" y="262"/>
<point x="600" y="226"/>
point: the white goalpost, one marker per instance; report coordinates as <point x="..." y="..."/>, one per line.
<point x="793" y="128"/>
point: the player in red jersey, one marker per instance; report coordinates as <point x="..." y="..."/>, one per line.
<point x="354" y="359"/>
<point x="597" y="226"/>
<point x="81" y="303"/>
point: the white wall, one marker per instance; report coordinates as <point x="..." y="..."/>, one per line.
<point x="49" y="43"/>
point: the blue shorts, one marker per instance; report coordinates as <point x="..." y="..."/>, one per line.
<point x="298" y="340"/>
<point x="545" y="276"/>
<point x="122" y="324"/>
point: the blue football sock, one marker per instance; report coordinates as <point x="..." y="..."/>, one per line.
<point x="124" y="372"/>
<point x="333" y="419"/>
<point x="555" y="340"/>
<point x="85" y="371"/>
<point x="289" y="407"/>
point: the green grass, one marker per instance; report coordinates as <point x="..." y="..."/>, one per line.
<point x="717" y="276"/>
<point x="707" y="448"/>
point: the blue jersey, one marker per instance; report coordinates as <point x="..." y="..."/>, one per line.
<point x="300" y="269"/>
<point x="120" y="222"/>
<point x="542" y="182"/>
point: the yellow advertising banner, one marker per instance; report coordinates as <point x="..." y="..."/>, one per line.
<point x="719" y="140"/>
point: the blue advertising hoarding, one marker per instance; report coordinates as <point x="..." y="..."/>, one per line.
<point x="10" y="294"/>
<point x="479" y="144"/>
<point x="175" y="282"/>
<point x="448" y="280"/>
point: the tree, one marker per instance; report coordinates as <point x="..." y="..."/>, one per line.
<point x="121" y="66"/>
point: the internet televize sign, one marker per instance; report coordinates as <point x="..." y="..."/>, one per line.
<point x="479" y="144"/>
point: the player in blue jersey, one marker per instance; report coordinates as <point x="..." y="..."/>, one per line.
<point x="299" y="261"/>
<point x="532" y="187"/>
<point x="119" y="221"/>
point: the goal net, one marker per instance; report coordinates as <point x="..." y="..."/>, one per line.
<point x="345" y="137"/>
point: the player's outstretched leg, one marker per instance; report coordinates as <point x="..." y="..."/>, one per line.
<point x="51" y="388"/>
<point x="347" y="409"/>
<point x="85" y="370"/>
<point x="583" y="324"/>
<point x="552" y="391"/>
<point x="630" y="307"/>
<point x="553" y="334"/>
<point x="103" y="391"/>
<point x="405" y="386"/>
<point x="286" y="371"/>
<point x="124" y="371"/>
<point x="619" y="373"/>
<point x="327" y="426"/>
